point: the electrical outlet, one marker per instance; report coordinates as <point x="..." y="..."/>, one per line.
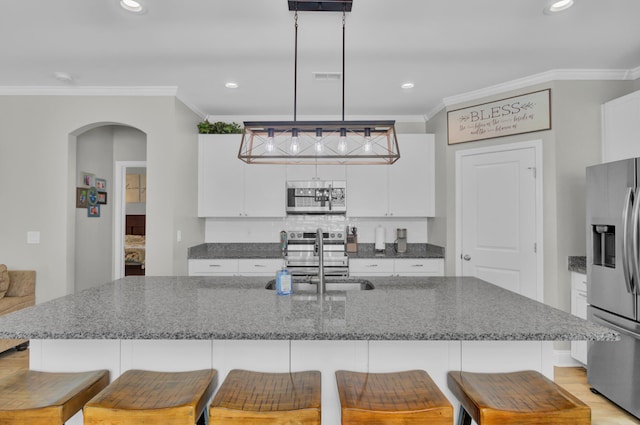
<point x="33" y="237"/>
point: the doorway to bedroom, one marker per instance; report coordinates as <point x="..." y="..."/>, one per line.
<point x="130" y="221"/>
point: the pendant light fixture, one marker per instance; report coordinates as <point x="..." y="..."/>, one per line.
<point x="319" y="142"/>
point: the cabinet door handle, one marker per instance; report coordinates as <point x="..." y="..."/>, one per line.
<point x="372" y="265"/>
<point x="417" y="265"/>
<point x="582" y="295"/>
<point x="259" y="265"/>
<point x="215" y="265"/>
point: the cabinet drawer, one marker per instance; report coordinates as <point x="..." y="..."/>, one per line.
<point x="259" y="267"/>
<point x="419" y="267"/>
<point x="366" y="266"/>
<point x="579" y="281"/>
<point x="213" y="267"/>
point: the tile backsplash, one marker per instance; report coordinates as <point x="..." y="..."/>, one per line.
<point x="268" y="230"/>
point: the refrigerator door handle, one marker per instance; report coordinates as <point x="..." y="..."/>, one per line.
<point x="635" y="249"/>
<point x="616" y="327"/>
<point x="625" y="238"/>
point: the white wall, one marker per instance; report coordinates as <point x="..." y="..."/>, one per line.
<point x="37" y="137"/>
<point x="93" y="235"/>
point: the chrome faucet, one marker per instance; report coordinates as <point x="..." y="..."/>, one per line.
<point x="319" y="248"/>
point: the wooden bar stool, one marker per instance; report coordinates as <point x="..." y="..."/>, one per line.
<point x="29" y="396"/>
<point x="247" y="397"/>
<point x="522" y="398"/>
<point x="147" y="397"/>
<point x="409" y="397"/>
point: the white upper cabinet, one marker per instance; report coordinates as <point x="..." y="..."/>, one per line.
<point x="412" y="177"/>
<point x="322" y="172"/>
<point x="404" y="189"/>
<point x="621" y="128"/>
<point x="228" y="187"/>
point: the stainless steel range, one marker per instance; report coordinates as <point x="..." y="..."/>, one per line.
<point x="302" y="253"/>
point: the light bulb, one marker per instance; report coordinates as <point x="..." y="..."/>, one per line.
<point x="367" y="140"/>
<point x="295" y="145"/>
<point x="319" y="146"/>
<point x="269" y="146"/>
<point x="342" y="143"/>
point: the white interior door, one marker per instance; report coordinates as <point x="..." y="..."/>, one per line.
<point x="497" y="219"/>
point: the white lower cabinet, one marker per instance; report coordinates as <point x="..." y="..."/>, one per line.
<point x="396" y="267"/>
<point x="219" y="267"/>
<point x="234" y="267"/>
<point x="259" y="267"/>
<point x="419" y="267"/>
<point x="370" y="267"/>
<point x="579" y="308"/>
<point x="357" y="267"/>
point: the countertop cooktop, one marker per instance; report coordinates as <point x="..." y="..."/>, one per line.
<point x="399" y="308"/>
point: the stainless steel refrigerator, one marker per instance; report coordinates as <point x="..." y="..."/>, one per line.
<point x="613" y="279"/>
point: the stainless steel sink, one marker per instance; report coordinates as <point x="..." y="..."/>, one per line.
<point x="332" y="284"/>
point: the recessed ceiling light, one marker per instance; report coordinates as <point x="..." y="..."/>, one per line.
<point x="407" y="85"/>
<point x="556" y="6"/>
<point x="231" y="85"/>
<point x="132" y="6"/>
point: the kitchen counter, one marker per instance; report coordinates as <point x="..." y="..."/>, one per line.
<point x="435" y="324"/>
<point x="228" y="308"/>
<point x="272" y="250"/>
<point x="578" y="264"/>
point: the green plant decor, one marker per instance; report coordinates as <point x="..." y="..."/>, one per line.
<point x="205" y="127"/>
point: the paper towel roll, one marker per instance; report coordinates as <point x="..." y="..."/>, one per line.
<point x="380" y="238"/>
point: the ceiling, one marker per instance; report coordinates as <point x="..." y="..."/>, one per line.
<point x="447" y="48"/>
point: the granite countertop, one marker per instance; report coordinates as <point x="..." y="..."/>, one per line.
<point x="207" y="251"/>
<point x="578" y="264"/>
<point x="399" y="308"/>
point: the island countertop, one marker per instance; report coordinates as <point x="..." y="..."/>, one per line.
<point x="232" y="308"/>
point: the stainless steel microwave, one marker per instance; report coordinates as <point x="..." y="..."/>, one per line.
<point x="317" y="197"/>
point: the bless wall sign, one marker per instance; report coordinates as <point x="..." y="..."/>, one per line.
<point x="514" y="115"/>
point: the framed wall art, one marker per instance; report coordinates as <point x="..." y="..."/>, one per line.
<point x="102" y="198"/>
<point x="88" y="179"/>
<point x="514" y="115"/>
<point x="82" y="197"/>
<point x="101" y="185"/>
<point x="93" y="211"/>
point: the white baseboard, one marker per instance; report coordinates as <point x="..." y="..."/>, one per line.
<point x="562" y="358"/>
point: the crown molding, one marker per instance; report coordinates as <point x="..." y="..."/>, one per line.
<point x="88" y="91"/>
<point x="190" y="105"/>
<point x="634" y="73"/>
<point x="544" y="77"/>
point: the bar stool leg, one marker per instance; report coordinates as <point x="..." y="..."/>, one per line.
<point x="204" y="418"/>
<point x="464" y="418"/>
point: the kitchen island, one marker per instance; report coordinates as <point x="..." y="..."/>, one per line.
<point x="180" y="323"/>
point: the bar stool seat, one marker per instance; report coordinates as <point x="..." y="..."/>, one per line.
<point x="29" y="396"/>
<point x="247" y="397"/>
<point x="149" y="397"/>
<point x="522" y="398"/>
<point x="409" y="397"/>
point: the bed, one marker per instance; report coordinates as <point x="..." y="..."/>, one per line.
<point x="134" y="245"/>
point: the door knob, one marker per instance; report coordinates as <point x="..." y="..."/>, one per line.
<point x="467" y="257"/>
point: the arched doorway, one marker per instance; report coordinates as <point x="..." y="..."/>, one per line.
<point x="95" y="149"/>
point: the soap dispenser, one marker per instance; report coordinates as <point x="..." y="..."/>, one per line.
<point x="283" y="282"/>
